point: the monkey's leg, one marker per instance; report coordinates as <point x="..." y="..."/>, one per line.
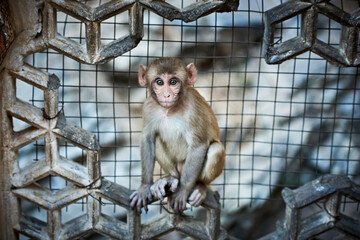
<point x="214" y="164"/>
<point x="169" y="182"/>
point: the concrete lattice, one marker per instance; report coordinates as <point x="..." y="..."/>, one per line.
<point x="345" y="55"/>
<point x="327" y="191"/>
<point x="49" y="123"/>
<point x="95" y="52"/>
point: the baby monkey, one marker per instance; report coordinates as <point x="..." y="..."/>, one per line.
<point x="181" y="133"/>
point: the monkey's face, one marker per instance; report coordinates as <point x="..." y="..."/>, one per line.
<point x="166" y="88"/>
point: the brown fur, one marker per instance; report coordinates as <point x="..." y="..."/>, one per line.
<point x="183" y="138"/>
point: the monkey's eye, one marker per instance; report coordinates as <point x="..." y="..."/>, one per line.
<point x="173" y="81"/>
<point x="159" y="82"/>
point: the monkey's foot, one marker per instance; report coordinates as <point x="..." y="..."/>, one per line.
<point x="140" y="198"/>
<point x="159" y="188"/>
<point x="198" y="195"/>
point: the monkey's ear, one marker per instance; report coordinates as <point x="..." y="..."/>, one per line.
<point x="192" y="74"/>
<point x="141" y="75"/>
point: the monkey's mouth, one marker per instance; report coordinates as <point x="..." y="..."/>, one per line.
<point x="167" y="104"/>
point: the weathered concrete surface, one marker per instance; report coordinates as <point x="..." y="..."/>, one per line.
<point x="33" y="29"/>
<point x="328" y="188"/>
<point x="93" y="51"/>
<point x="345" y="55"/>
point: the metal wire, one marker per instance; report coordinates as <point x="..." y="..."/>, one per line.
<point x="282" y="125"/>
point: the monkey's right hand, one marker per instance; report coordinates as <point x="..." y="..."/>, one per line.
<point x="141" y="197"/>
<point x="161" y="186"/>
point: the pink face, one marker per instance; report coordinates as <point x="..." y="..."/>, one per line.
<point x="166" y="88"/>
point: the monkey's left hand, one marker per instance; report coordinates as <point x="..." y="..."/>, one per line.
<point x="179" y="199"/>
<point x="141" y="197"/>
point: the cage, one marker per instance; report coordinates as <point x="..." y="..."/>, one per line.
<point x="72" y="108"/>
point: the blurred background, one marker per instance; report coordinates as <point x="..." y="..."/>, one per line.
<point x="282" y="125"/>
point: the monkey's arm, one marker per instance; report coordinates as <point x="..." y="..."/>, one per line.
<point x="142" y="196"/>
<point x="191" y="171"/>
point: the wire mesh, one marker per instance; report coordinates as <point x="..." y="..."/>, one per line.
<point x="281" y="125"/>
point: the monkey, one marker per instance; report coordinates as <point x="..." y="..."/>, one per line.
<point x="180" y="132"/>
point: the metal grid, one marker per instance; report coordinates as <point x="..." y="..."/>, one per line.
<point x="282" y="125"/>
